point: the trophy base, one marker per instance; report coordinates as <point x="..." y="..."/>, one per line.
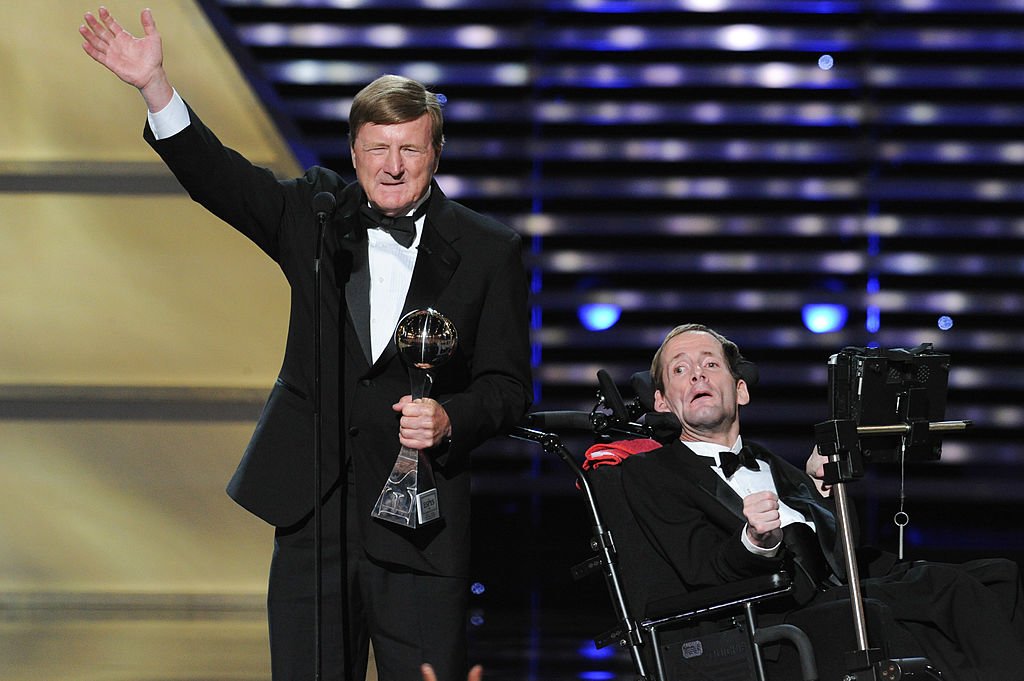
<point x="422" y="509"/>
<point x="400" y="501"/>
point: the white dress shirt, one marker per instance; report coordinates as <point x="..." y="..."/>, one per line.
<point x="746" y="482"/>
<point x="391" y="266"/>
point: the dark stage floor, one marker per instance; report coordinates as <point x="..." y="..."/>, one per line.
<point x="529" y="620"/>
<point x="112" y="645"/>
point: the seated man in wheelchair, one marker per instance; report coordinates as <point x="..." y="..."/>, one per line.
<point x="718" y="508"/>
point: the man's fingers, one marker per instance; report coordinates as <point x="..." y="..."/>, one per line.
<point x="96" y="29"/>
<point x="101" y="31"/>
<point x="92" y="44"/>
<point x="148" y="23"/>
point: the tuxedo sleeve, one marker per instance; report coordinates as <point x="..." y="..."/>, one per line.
<point x="689" y="529"/>
<point x="500" y="389"/>
<point x="246" y="196"/>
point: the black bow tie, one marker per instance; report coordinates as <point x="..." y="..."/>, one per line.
<point x="730" y="461"/>
<point x="402" y="229"/>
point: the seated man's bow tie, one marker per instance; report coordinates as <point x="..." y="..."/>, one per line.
<point x="401" y="229"/>
<point x="730" y="461"/>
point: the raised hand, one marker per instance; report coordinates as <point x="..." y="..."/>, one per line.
<point x="815" y="467"/>
<point x="136" y="61"/>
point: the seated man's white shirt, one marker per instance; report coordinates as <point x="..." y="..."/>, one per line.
<point x="746" y="482"/>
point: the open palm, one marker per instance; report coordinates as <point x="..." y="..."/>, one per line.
<point x="136" y="61"/>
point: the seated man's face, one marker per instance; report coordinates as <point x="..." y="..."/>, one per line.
<point x="699" y="388"/>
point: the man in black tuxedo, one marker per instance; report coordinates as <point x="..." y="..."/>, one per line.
<point x="717" y="509"/>
<point x="404" y="589"/>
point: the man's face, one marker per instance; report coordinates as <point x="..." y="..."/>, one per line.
<point x="395" y="163"/>
<point x="699" y="389"/>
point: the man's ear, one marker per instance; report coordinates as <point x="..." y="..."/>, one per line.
<point x="742" y="394"/>
<point x="660" y="404"/>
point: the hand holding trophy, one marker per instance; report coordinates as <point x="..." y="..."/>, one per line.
<point x="426" y="339"/>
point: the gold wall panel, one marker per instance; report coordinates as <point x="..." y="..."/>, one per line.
<point x="111" y="279"/>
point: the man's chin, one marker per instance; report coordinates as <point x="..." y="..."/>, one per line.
<point x="709" y="419"/>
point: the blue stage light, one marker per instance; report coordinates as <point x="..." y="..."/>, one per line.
<point x="599" y="316"/>
<point x="824" y="317"/>
<point x="477" y="588"/>
<point x="591" y="652"/>
<point x="597" y="676"/>
<point x="945" y="322"/>
<point x="874" y="319"/>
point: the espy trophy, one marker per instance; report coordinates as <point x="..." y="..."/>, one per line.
<point x="426" y="339"/>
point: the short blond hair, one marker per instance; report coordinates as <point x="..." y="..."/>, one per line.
<point x="396" y="99"/>
<point x="729" y="349"/>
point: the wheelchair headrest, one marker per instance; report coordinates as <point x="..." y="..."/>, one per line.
<point x="643" y="387"/>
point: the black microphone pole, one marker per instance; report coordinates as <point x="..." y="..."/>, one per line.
<point x="323" y="206"/>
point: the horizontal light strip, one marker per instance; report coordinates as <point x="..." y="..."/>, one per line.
<point x="631" y="38"/>
<point x="890" y="299"/>
<point x="385" y="36"/>
<point x="755" y="339"/>
<point x="811" y="188"/>
<point x="799" y="225"/>
<point x="834" y="261"/>
<point x="821" y="7"/>
<point x="768" y="75"/>
<point x="322" y="72"/>
<point x="705" y="113"/>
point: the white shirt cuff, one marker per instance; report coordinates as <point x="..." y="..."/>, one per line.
<point x="757" y="550"/>
<point x="171" y="119"/>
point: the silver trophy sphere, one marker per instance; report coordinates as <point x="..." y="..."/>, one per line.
<point x="426" y="338"/>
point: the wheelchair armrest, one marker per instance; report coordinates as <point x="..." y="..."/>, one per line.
<point x="715" y="598"/>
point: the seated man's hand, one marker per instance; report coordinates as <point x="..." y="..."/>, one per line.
<point x="764" y="524"/>
<point x="424" y="422"/>
<point x="816" y="469"/>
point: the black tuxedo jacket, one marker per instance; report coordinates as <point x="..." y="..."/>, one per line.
<point x="694" y="520"/>
<point x="468" y="267"/>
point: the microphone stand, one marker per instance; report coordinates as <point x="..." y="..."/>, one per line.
<point x="323" y="204"/>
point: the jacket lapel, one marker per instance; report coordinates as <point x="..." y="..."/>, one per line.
<point x="436" y="261"/>
<point x="353" y="246"/>
<point x="700" y="472"/>
<point x="797" y="494"/>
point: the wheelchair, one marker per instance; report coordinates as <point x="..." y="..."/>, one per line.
<point x="711" y="633"/>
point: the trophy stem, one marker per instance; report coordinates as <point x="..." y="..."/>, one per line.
<point x="420" y="383"/>
<point x="409" y="497"/>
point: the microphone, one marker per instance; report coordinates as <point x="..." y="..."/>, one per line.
<point x="323" y="205"/>
<point x="559" y="420"/>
